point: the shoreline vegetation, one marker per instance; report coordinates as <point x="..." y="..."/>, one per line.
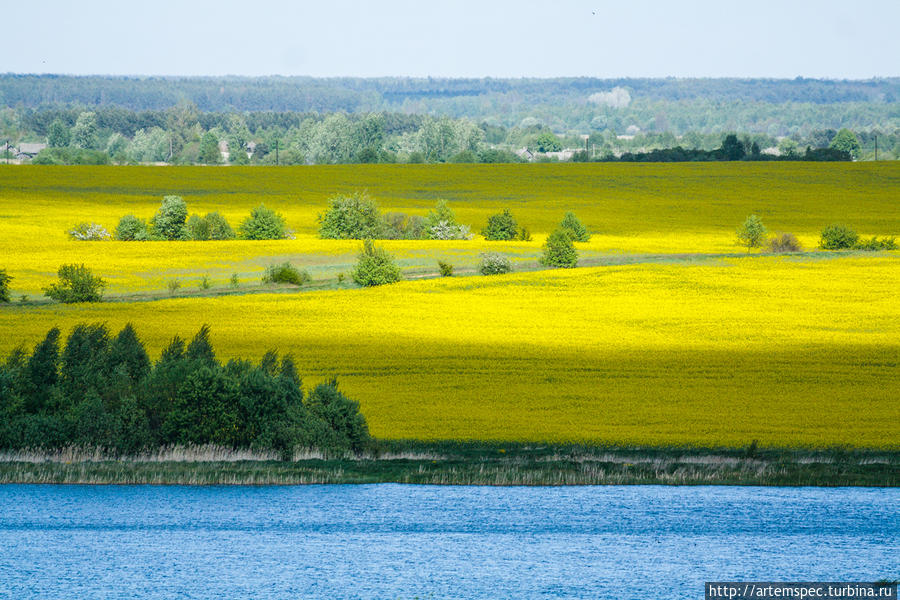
<point x="462" y="463"/>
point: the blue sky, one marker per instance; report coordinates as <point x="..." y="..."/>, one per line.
<point x="464" y="38"/>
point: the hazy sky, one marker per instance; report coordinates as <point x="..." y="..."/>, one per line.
<point x="462" y="38"/>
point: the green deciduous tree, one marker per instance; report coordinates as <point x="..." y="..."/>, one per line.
<point x="375" y="266"/>
<point x="501" y="226"/>
<point x="58" y="135"/>
<point x="84" y="133"/>
<point x="559" y="251"/>
<point x="352" y="216"/>
<point x="340" y="413"/>
<point x="131" y="229"/>
<point x="846" y="141"/>
<point x="209" y="149"/>
<point x="838" y="237"/>
<point x="545" y="142"/>
<point x="575" y="228"/>
<point x="211" y="226"/>
<point x="263" y="224"/>
<point x="752" y="233"/>
<point x="169" y="221"/>
<point x="4" y="285"/>
<point x="76" y="284"/>
<point x="732" y="148"/>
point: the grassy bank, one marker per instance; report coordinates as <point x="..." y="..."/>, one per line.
<point x="469" y="464"/>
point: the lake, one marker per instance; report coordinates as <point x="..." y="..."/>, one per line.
<point x="410" y="541"/>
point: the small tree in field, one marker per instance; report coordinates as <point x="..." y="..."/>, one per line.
<point x="501" y="226"/>
<point x="559" y="251"/>
<point x="838" y="237"/>
<point x="752" y="233"/>
<point x="351" y="216"/>
<point x="76" y="284"/>
<point x="263" y="224"/>
<point x="575" y="228"/>
<point x="169" y="221"/>
<point x="4" y="285"/>
<point x="375" y="266"/>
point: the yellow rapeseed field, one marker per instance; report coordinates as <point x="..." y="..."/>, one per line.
<point x="786" y="351"/>
<point x="630" y="208"/>
<point x="686" y="346"/>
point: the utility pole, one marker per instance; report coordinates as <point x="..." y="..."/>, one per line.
<point x="7" y="151"/>
<point x="276" y="152"/>
<point x="876" y="148"/>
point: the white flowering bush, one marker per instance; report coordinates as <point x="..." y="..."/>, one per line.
<point x="444" y="230"/>
<point x="89" y="232"/>
<point x="494" y="263"/>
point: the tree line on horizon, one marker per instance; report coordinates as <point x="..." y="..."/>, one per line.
<point x="183" y="135"/>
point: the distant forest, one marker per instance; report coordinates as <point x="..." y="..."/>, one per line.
<point x="303" y="120"/>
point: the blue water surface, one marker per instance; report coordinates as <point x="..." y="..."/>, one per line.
<point x="408" y="541"/>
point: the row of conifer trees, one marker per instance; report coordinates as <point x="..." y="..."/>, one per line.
<point x="97" y="390"/>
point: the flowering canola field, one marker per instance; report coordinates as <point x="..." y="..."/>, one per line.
<point x="788" y="351"/>
<point x="637" y="208"/>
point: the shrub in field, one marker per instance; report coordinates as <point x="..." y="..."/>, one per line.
<point x="169" y="221"/>
<point x="204" y="283"/>
<point x="76" y="284"/>
<point x="524" y="235"/>
<point x="351" y="217"/>
<point x="286" y="273"/>
<point x="876" y="244"/>
<point x="501" y="226"/>
<point x="99" y="391"/>
<point x="575" y="228"/>
<point x="211" y="226"/>
<point x="263" y="224"/>
<point x="4" y="285"/>
<point x="132" y="229"/>
<point x="785" y="242"/>
<point x="838" y="237"/>
<point x="752" y="232"/>
<point x="445" y="231"/>
<point x="441" y="224"/>
<point x="234" y="281"/>
<point x="173" y="285"/>
<point x="559" y="251"/>
<point x="400" y="226"/>
<point x="89" y="232"/>
<point x="494" y="263"/>
<point x="446" y="269"/>
<point x="375" y="266"/>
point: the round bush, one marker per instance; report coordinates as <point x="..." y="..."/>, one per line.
<point x="263" y="224"/>
<point x="559" y="251"/>
<point x="352" y="216"/>
<point x="131" y="229"/>
<point x="494" y="263"/>
<point x="375" y="266"/>
<point x="286" y="273"/>
<point x="785" y="242"/>
<point x="169" y="221"/>
<point x="501" y="226"/>
<point x="838" y="237"/>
